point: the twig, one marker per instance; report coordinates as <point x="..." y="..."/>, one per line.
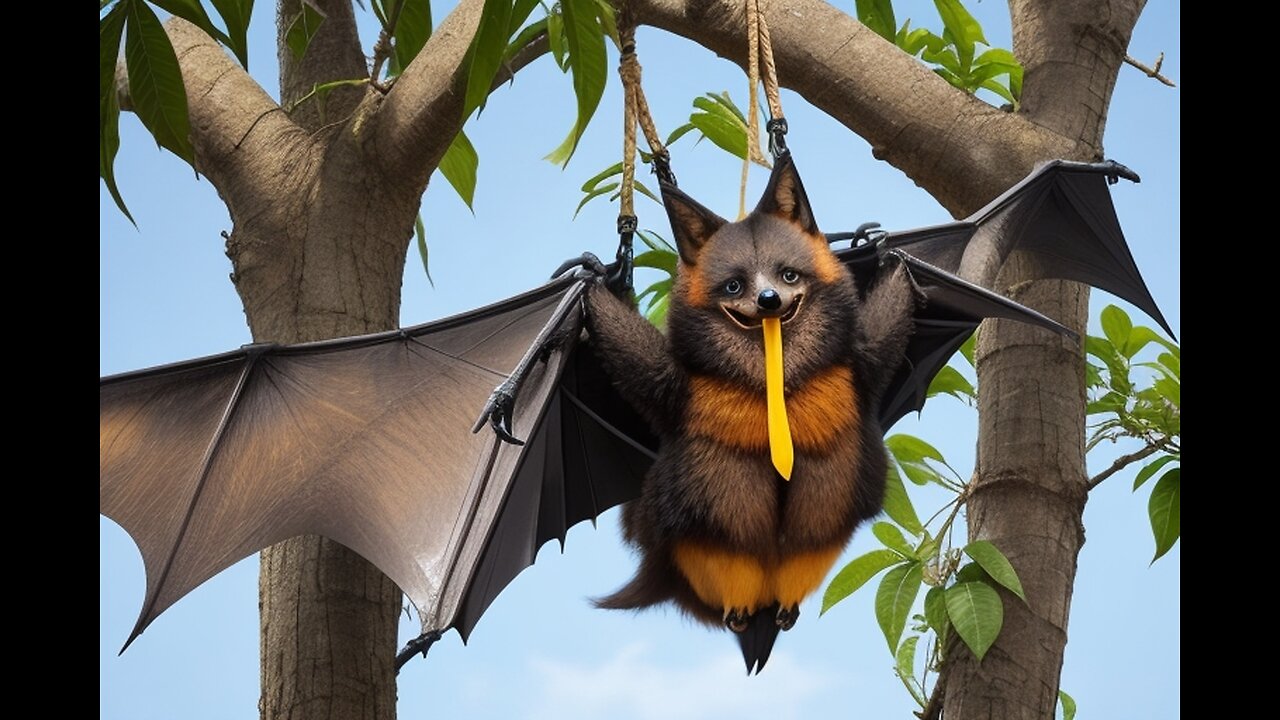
<point x="1121" y="463"/>
<point x="933" y="710"/>
<point x="383" y="49"/>
<point x="1153" y="71"/>
<point x="537" y="46"/>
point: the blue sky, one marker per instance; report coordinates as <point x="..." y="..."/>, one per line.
<point x="541" y="651"/>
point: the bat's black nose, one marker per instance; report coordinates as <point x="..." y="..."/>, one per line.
<point x="769" y="300"/>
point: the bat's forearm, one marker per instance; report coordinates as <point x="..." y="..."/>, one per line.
<point x="634" y="354"/>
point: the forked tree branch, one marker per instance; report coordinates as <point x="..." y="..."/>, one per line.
<point x="239" y="133"/>
<point x="1153" y="71"/>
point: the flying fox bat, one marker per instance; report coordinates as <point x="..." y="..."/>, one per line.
<point x="370" y="440"/>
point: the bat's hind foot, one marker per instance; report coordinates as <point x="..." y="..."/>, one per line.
<point x="787" y="616"/>
<point x="737" y="620"/>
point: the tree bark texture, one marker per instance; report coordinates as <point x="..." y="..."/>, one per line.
<point x="323" y="201"/>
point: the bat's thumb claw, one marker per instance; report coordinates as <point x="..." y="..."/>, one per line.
<point x="587" y="261"/>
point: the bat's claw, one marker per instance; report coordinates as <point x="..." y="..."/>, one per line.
<point x="497" y="411"/>
<point x="737" y="620"/>
<point x="587" y="261"/>
<point x="867" y="233"/>
<point x="787" y="616"/>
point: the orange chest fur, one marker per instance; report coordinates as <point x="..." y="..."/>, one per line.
<point x="822" y="412"/>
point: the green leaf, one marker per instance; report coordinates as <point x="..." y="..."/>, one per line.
<point x="976" y="613"/>
<point x="420" y="232"/>
<point x="894" y="598"/>
<point x="193" y="12"/>
<point x="487" y="49"/>
<point x="904" y="662"/>
<point x="1164" y="508"/>
<point x="935" y="611"/>
<point x="946" y="58"/>
<point x="723" y="99"/>
<point x="412" y="31"/>
<point x="856" y="574"/>
<point x="911" y="449"/>
<point x="963" y="28"/>
<point x="718" y="105"/>
<point x="658" y="289"/>
<point x="555" y="39"/>
<point x="155" y="82"/>
<point x="1092" y="375"/>
<point x="892" y="538"/>
<point x="1171" y="389"/>
<point x="658" y="259"/>
<point x="969" y="347"/>
<point x="997" y="55"/>
<point x="608" y="24"/>
<point x="645" y="191"/>
<point x="593" y="194"/>
<point x="996" y="565"/>
<point x="525" y="37"/>
<point x="878" y="16"/>
<point x="949" y="381"/>
<point x="110" y="30"/>
<point x="459" y="166"/>
<point x="679" y="133"/>
<point x="972" y="572"/>
<point x="303" y="27"/>
<point x="614" y="169"/>
<point x="585" y="42"/>
<point x="1150" y="469"/>
<point x="1171" y="361"/>
<point x="657" y="313"/>
<point x="727" y="134"/>
<point x="1068" y="705"/>
<point x="235" y="15"/>
<point x="520" y="11"/>
<point x="897" y="504"/>
<point x="1000" y="90"/>
<point x="654" y="241"/>
<point x="1116" y="326"/>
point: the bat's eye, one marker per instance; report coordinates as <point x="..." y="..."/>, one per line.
<point x="790" y="276"/>
<point x="733" y="287"/>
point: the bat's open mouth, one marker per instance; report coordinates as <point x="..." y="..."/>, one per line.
<point x="747" y="322"/>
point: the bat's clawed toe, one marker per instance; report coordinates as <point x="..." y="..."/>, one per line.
<point x="737" y="619"/>
<point x="787" y="616"/>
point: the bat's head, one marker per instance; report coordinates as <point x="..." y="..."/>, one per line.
<point x="774" y="263"/>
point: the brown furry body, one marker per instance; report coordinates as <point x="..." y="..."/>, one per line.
<point x="720" y="532"/>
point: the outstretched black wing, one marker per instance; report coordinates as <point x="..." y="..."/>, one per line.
<point x="369" y="441"/>
<point x="1058" y="222"/>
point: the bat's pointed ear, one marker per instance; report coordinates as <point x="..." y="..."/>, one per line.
<point x="784" y="196"/>
<point x="691" y="223"/>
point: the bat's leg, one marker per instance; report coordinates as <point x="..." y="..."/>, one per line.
<point x="734" y="582"/>
<point x="797" y="576"/>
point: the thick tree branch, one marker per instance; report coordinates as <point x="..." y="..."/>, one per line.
<point x="240" y="134"/>
<point x="334" y="54"/>
<point x="913" y="119"/>
<point x="422" y="113"/>
<point x="1076" y="44"/>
